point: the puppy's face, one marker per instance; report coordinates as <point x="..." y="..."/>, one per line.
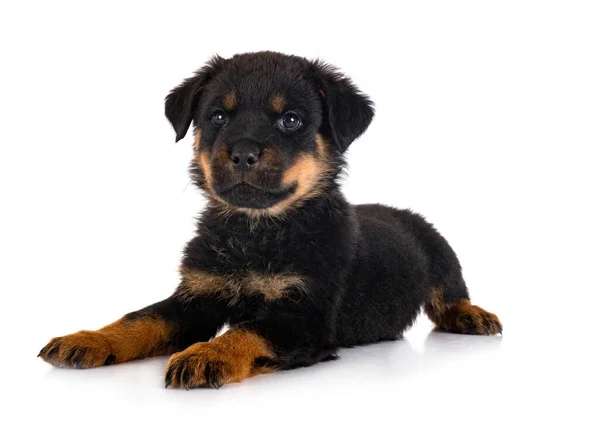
<point x="256" y="139"/>
<point x="270" y="129"/>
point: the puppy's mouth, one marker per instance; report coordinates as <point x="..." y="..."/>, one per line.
<point x="246" y="195"/>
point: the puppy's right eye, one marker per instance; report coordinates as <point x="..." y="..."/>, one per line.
<point x="218" y="118"/>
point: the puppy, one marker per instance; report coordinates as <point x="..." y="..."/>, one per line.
<point x="280" y="256"/>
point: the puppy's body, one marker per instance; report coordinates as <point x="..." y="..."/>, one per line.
<point x="279" y="255"/>
<point x="397" y="264"/>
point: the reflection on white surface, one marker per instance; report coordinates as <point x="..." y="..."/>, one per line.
<point x="427" y="372"/>
<point x="379" y="372"/>
<point x="420" y="351"/>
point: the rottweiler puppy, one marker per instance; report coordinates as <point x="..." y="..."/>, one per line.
<point x="279" y="254"/>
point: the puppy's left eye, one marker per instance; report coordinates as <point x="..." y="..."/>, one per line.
<point x="290" y="121"/>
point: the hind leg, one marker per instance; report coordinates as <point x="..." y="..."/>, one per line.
<point x="460" y="316"/>
<point x="448" y="304"/>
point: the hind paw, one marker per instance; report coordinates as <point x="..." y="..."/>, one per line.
<point x="467" y="318"/>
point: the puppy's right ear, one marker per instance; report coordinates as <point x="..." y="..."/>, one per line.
<point x="181" y="104"/>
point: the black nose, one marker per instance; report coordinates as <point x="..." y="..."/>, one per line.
<point x="244" y="154"/>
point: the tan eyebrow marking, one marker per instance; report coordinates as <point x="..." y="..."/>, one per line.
<point x="229" y="101"/>
<point x="277" y="103"/>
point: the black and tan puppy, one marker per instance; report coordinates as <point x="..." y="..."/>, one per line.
<point x="279" y="255"/>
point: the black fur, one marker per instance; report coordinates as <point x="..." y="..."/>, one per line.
<point x="181" y="104"/>
<point x="367" y="270"/>
<point x="348" y="112"/>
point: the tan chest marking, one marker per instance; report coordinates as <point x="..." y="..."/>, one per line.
<point x="271" y="286"/>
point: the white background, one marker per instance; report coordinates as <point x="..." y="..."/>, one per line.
<point x="488" y="122"/>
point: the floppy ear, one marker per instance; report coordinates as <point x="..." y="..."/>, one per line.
<point x="347" y="112"/>
<point x="181" y="103"/>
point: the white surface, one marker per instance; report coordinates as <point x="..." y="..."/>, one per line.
<point x="487" y="123"/>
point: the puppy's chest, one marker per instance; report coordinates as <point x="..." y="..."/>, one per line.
<point x="268" y="264"/>
<point x="262" y="252"/>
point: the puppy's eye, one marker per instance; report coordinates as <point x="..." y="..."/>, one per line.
<point x="290" y="121"/>
<point x="218" y="118"/>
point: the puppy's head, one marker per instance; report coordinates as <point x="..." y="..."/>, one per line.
<point x="270" y="129"/>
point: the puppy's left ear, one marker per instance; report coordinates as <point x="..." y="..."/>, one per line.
<point x="182" y="102"/>
<point x="347" y="112"/>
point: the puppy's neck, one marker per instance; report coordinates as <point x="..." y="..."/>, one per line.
<point x="318" y="234"/>
<point x="323" y="209"/>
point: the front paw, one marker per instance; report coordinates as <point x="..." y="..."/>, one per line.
<point x="228" y="358"/>
<point x="198" y="366"/>
<point x="85" y="349"/>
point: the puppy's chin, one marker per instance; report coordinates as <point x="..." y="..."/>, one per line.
<point x="244" y="195"/>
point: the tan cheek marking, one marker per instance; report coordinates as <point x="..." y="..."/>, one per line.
<point x="303" y="172"/>
<point x="278" y="103"/>
<point x="229" y="101"/>
<point x="197" y="139"/>
<point x="270" y="159"/>
<point x="221" y="158"/>
<point x="321" y="148"/>
<point x="306" y="173"/>
<point x="272" y="287"/>
<point x="203" y="160"/>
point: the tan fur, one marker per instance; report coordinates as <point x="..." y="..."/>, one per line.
<point x="229" y="101"/>
<point x="137" y="338"/>
<point x="124" y="340"/>
<point x="200" y="283"/>
<point x="221" y="158"/>
<point x="438" y="306"/>
<point x="308" y="173"/>
<point x="271" y="158"/>
<point x="270" y="286"/>
<point x="232" y="355"/>
<point x="197" y="139"/>
<point x="462" y="316"/>
<point x="278" y="103"/>
<point x="321" y="147"/>
<point x="202" y="159"/>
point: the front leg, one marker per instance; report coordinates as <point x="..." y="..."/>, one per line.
<point x="160" y="329"/>
<point x="284" y="340"/>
